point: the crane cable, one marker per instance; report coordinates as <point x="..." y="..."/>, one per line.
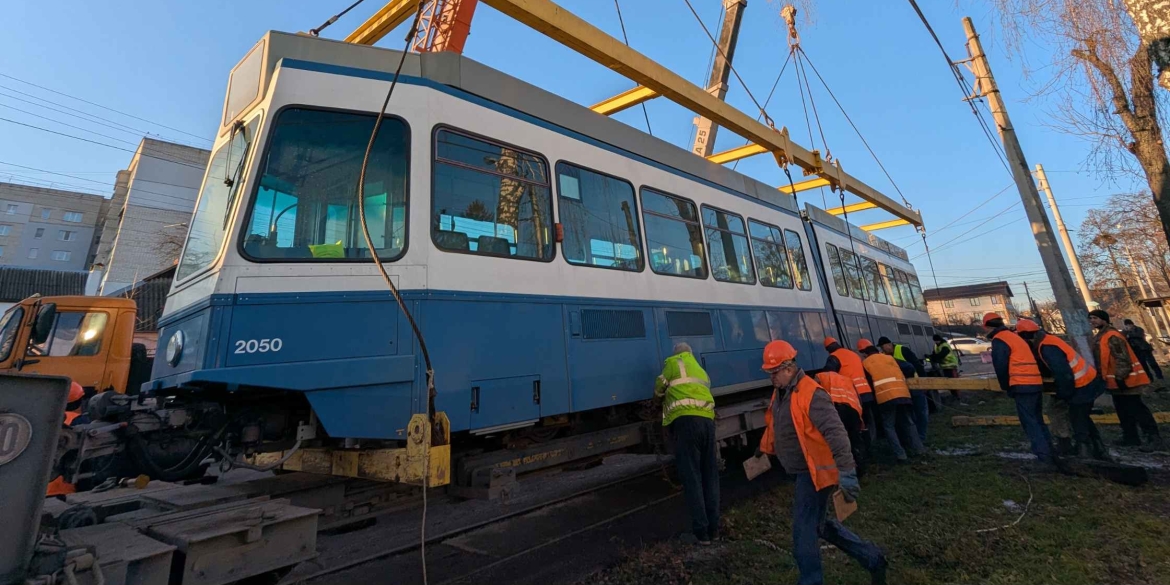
<point x="332" y="19"/>
<point x="430" y="373"/>
<point x="767" y="119"/>
<point x="626" y="39"/>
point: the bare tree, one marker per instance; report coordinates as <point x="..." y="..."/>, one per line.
<point x="1101" y="82"/>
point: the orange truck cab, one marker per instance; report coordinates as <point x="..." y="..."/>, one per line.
<point x="88" y="339"/>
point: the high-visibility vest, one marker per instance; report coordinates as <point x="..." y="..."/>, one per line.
<point x="821" y="465"/>
<point x="851" y="368"/>
<point x="1083" y="372"/>
<point x="898" y="352"/>
<point x="888" y="381"/>
<point x="688" y="389"/>
<point x="1022" y="368"/>
<point x="952" y="360"/>
<point x="1137" y="376"/>
<point x="840" y="389"/>
<point x="767" y="442"/>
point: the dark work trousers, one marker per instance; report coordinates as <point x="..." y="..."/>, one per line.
<point x="921" y="412"/>
<point x="810" y="523"/>
<point x="1133" y="413"/>
<point x="1029" y="407"/>
<point x="898" y="429"/>
<point x="697" y="458"/>
<point x="858" y="439"/>
<point x="1084" y="430"/>
<point x="869" y="413"/>
<point x="1149" y="363"/>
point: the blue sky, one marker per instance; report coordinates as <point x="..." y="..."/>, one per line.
<point x="166" y="63"/>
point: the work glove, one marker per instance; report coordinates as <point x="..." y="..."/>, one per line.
<point x="849" y="485"/>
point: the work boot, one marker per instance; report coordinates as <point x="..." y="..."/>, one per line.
<point x="1127" y="442"/>
<point x="1153" y="444"/>
<point x="1099" y="451"/>
<point x="878" y="575"/>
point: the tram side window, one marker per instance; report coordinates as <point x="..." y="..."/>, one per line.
<point x="853" y="273"/>
<point x="838" y="271"/>
<point x="877" y="292"/>
<point x="490" y="199"/>
<point x="599" y="216"/>
<point x="796" y="255"/>
<point x="306" y="207"/>
<point x="916" y="291"/>
<point x="891" y="285"/>
<point x="673" y="235"/>
<point x="728" y="245"/>
<point x="771" y="256"/>
<point x="904" y="288"/>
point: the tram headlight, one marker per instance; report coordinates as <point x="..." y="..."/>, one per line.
<point x="175" y="348"/>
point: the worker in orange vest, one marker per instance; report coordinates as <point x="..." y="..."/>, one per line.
<point x="1126" y="380"/>
<point x="1019" y="376"/>
<point x="59" y="487"/>
<point x="848" y="405"/>
<point x="893" y="398"/>
<point x="847" y="363"/>
<point x="1077" y="386"/>
<point x="807" y="437"/>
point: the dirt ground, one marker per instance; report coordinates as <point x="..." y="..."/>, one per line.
<point x="933" y="518"/>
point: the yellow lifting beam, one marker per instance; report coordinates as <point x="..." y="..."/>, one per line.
<point x="566" y="28"/>
<point x="881" y="225"/>
<point x="621" y="101"/>
<point x="737" y="153"/>
<point x="383" y="21"/>
<point x="805" y="185"/>
<point x="851" y="208"/>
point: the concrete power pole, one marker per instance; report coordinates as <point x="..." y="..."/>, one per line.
<point x="1068" y="246"/>
<point x="1072" y="306"/>
<point x="720" y="73"/>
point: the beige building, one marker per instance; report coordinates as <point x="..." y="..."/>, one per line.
<point x="966" y="305"/>
<point x="48" y="228"/>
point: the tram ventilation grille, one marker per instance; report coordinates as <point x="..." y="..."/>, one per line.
<point x="612" y="324"/>
<point x="688" y="323"/>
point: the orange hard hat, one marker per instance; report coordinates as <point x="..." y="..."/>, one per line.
<point x="75" y="392"/>
<point x="989" y="317"/>
<point x="830" y="341"/>
<point x="776" y="353"/>
<point x="1026" y="326"/>
<point x="863" y="344"/>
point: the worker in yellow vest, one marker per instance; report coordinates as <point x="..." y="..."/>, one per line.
<point x="1126" y="380"/>
<point x="893" y="398"/>
<point x="688" y="411"/>
<point x="807" y="437"/>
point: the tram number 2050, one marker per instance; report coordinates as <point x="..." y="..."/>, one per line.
<point x="258" y="345"/>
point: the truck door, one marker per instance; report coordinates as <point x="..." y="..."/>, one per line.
<point x="75" y="347"/>
<point x="10" y="324"/>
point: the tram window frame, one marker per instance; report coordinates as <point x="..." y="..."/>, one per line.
<point x="698" y="223"/>
<point x="560" y="197"/>
<point x="916" y="290"/>
<point x="707" y="229"/>
<point x="860" y="293"/>
<point x="435" y="162"/>
<point x="804" y="282"/>
<point x="774" y="232"/>
<point x="873" y="278"/>
<point x="890" y="281"/>
<point x="266" y="132"/>
<point x="904" y="288"/>
<point x="840" y="282"/>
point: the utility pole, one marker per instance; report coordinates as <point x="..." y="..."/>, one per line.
<point x="1072" y="306"/>
<point x="1068" y="246"/>
<point x="720" y="73"/>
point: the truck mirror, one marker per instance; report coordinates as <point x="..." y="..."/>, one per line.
<point x="46" y="315"/>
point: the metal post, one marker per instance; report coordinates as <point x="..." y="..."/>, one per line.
<point x="720" y="74"/>
<point x="1068" y="246"/>
<point x="1072" y="306"/>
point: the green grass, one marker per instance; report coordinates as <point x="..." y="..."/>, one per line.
<point x="925" y="516"/>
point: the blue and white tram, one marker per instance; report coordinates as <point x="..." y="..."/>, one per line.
<point x="552" y="256"/>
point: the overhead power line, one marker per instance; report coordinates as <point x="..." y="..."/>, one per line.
<point x="97" y="105"/>
<point x="626" y="39"/>
<point x="186" y="164"/>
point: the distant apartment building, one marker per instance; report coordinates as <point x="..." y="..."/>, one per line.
<point x="47" y="228"/>
<point x="147" y="219"/>
<point x="966" y="305"/>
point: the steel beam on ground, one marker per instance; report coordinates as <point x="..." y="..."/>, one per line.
<point x="383" y="21"/>
<point x="851" y="208"/>
<point x="566" y="28"/>
<point x="881" y="225"/>
<point x="806" y="185"/>
<point x="624" y="100"/>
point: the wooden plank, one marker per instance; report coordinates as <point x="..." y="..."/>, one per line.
<point x="971" y="384"/>
<point x="1008" y="421"/>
